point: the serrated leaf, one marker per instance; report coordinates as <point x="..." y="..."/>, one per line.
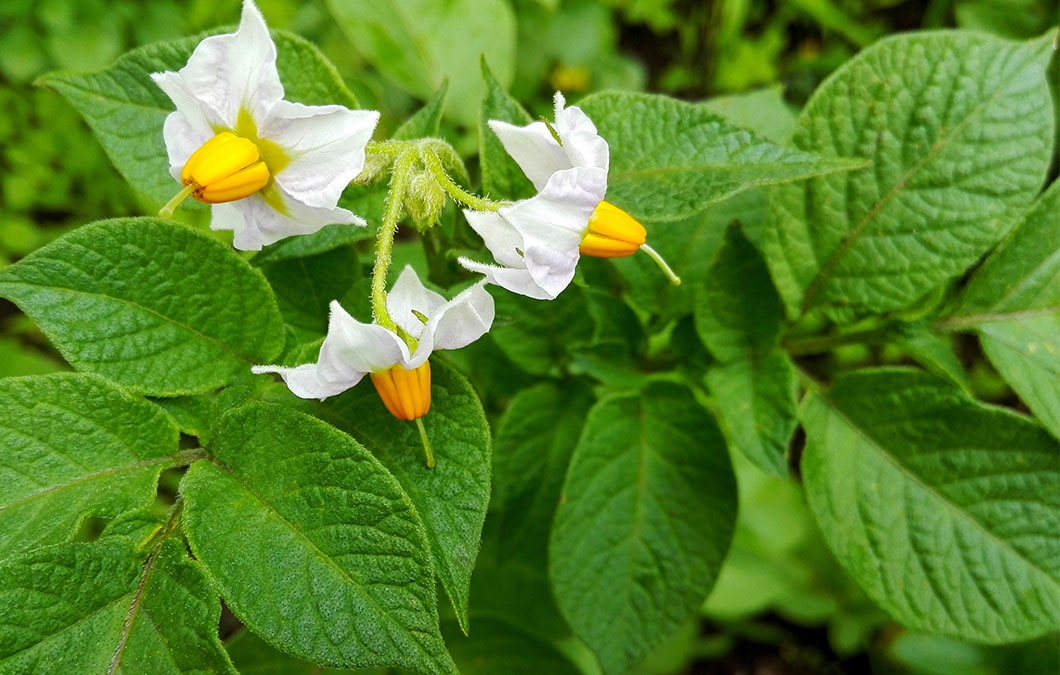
<point x="126" y="109"/>
<point x="74" y="445"/>
<point x="737" y="310"/>
<point x="152" y="305"/>
<point x="646" y="518"/>
<point x="313" y="544"/>
<point x="755" y="397"/>
<point x="501" y="176"/>
<point x="419" y="43"/>
<point x="425" y="123"/>
<point x="959" y="129"/>
<point x="304" y="286"/>
<point x="451" y="498"/>
<point x="671" y="159"/>
<point x="1013" y="302"/>
<point x="171" y="620"/>
<point x="534" y="442"/>
<point x="942" y="509"/>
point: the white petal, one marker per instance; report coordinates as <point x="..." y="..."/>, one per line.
<point x="311" y="381"/>
<point x="502" y="240"/>
<point x="230" y="73"/>
<point x="516" y="280"/>
<point x="325" y="146"/>
<point x="182" y="138"/>
<point x="409" y="294"/>
<point x="582" y="144"/>
<point x="464" y="319"/>
<point x="557" y="217"/>
<point x="256" y="223"/>
<point x="364" y="347"/>
<point x="533" y="148"/>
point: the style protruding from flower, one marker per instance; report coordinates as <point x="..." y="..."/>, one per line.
<point x="270" y="168"/>
<point x="538" y="241"/>
<point x="395" y="358"/>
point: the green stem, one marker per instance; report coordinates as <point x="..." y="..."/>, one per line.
<point x="427" y="452"/>
<point x="399" y="182"/>
<point x="817" y="344"/>
<point x="666" y="269"/>
<point x="390" y="148"/>
<point x="166" y="211"/>
<point x="459" y="194"/>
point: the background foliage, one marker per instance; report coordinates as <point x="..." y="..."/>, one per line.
<point x="554" y="378"/>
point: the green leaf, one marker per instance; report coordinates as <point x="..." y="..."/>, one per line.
<point x="171" y="619"/>
<point x="253" y="656"/>
<point x="935" y="353"/>
<point x="451" y="498"/>
<point x="959" y="130"/>
<point x="534" y="442"/>
<point x="756" y="401"/>
<point x="944" y="510"/>
<point x="425" y="123"/>
<point x="737" y="310"/>
<point x="313" y="544"/>
<point x="419" y="43"/>
<point x="95" y="609"/>
<point x="74" y="445"/>
<point x="501" y="176"/>
<point x="671" y="159"/>
<point x="645" y="520"/>
<point x="763" y="110"/>
<point x="152" y="305"/>
<point x="126" y="109"/>
<point x="536" y="335"/>
<point x="330" y="237"/>
<point x="497" y="646"/>
<point x="305" y="286"/>
<point x="1013" y="302"/>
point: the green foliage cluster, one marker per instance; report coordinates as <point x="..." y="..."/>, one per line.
<point x="801" y="439"/>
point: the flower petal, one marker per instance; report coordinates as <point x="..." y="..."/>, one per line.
<point x="324" y="145"/>
<point x="582" y="144"/>
<point x="533" y="148"/>
<point x="312" y="381"/>
<point x="365" y="347"/>
<point x="464" y="319"/>
<point x="183" y="137"/>
<point x="409" y="294"/>
<point x="557" y="217"/>
<point x="231" y="73"/>
<point x="516" y="280"/>
<point x="256" y="223"/>
<point x="502" y="240"/>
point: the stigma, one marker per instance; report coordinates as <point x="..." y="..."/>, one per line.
<point x="405" y="393"/>
<point x="612" y="233"/>
<point x="225" y="168"/>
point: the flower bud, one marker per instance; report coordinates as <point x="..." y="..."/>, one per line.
<point x="225" y="168"/>
<point x="405" y="393"/>
<point x="612" y="233"/>
<point x="424" y="200"/>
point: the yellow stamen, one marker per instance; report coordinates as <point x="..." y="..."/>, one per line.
<point x="405" y="393"/>
<point x="612" y="233"/>
<point x="225" y="168"/>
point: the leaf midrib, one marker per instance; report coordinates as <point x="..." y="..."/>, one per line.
<point x="931" y="490"/>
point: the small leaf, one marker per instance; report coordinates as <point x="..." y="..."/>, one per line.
<point x="646" y="518"/>
<point x="959" y="130"/>
<point x="671" y="159"/>
<point x="152" y="305"/>
<point x="420" y="43"/>
<point x="126" y="109"/>
<point x="944" y="510"/>
<point x="425" y="123"/>
<point x="501" y="176"/>
<point x="313" y="544"/>
<point x="533" y="447"/>
<point x="451" y="498"/>
<point x="756" y="400"/>
<point x="74" y="445"/>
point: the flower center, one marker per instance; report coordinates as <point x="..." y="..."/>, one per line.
<point x="405" y="393"/>
<point x="612" y="233"/>
<point x="225" y="168"/>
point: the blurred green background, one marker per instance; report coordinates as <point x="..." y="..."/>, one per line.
<point x="782" y="605"/>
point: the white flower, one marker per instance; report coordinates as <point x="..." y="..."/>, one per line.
<point x="311" y="153"/>
<point x="538" y="241"/>
<point x="353" y="349"/>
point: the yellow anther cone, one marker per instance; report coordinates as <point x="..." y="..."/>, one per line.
<point x="225" y="168"/>
<point x="612" y="233"/>
<point x="405" y="393"/>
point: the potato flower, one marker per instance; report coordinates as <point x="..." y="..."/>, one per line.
<point x="401" y="373"/>
<point x="538" y="241"/>
<point x="270" y="168"/>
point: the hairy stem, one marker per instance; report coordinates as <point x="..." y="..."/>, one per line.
<point x="399" y="183"/>
<point x="459" y="194"/>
